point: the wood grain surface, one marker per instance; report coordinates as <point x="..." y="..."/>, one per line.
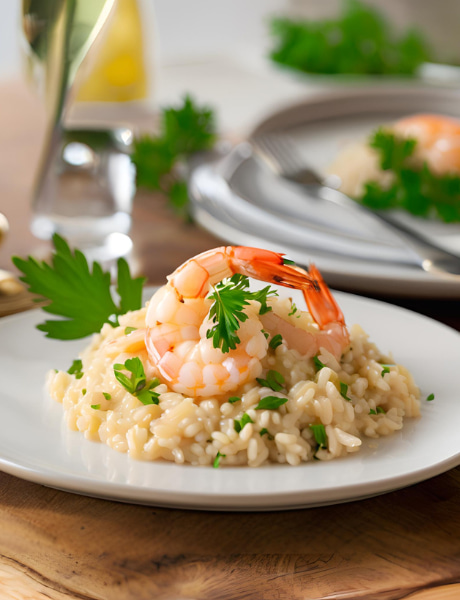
<point x="57" y="545"/>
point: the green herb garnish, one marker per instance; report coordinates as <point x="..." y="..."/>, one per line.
<point x="76" y="369"/>
<point x="414" y="188"/>
<point x="96" y="406"/>
<point x="274" y="381"/>
<point x="239" y="425"/>
<point x="344" y="391"/>
<point x="270" y="403"/>
<point x="385" y="369"/>
<point x="265" y="431"/>
<point x="81" y="296"/>
<point x="107" y="396"/>
<point x="230" y="297"/>
<point x="288" y="261"/>
<point x="83" y="392"/>
<point x="215" y="464"/>
<point x="320" y="435"/>
<point x="360" y="41"/>
<point x="136" y="384"/>
<point x="234" y="399"/>
<point x="183" y="131"/>
<point x="293" y="310"/>
<point x="276" y="341"/>
<point x="129" y="330"/>
<point x="318" y="364"/>
<point x="378" y="411"/>
<point x="430" y="398"/>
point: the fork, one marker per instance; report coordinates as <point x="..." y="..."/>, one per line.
<point x="281" y="155"/>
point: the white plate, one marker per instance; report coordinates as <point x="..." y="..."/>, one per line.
<point x="244" y="203"/>
<point x="36" y="445"/>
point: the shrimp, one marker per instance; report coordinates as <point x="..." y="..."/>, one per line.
<point x="438" y="140"/>
<point x="177" y="321"/>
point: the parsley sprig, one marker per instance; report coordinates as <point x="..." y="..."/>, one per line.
<point x="414" y="188"/>
<point x="83" y="297"/>
<point x="136" y="383"/>
<point x="360" y="41"/>
<point x="227" y="312"/>
<point x="183" y="131"/>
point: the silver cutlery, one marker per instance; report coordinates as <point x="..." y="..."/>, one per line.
<point x="280" y="153"/>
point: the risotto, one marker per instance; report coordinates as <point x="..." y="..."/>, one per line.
<point x="321" y="407"/>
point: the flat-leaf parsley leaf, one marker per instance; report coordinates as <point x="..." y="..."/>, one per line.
<point x="83" y="297"/>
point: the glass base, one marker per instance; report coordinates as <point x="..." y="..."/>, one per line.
<point x="100" y="239"/>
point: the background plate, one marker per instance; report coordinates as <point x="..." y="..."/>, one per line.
<point x="35" y="444"/>
<point x="243" y="203"/>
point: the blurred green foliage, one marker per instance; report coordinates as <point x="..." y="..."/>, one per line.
<point x="360" y="41"/>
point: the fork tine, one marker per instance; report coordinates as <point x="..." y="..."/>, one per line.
<point x="281" y="151"/>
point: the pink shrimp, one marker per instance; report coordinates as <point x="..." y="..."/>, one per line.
<point x="177" y="321"/>
<point x="438" y="140"/>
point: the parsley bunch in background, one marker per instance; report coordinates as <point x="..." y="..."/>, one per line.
<point x="415" y="188"/>
<point x="183" y="131"/>
<point x="359" y="42"/>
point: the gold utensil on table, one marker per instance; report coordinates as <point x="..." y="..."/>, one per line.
<point x="14" y="297"/>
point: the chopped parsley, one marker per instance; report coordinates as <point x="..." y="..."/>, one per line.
<point x="270" y="403"/>
<point x="82" y="297"/>
<point x="239" y="425"/>
<point x="430" y="398"/>
<point x="136" y="384"/>
<point x="76" y="369"/>
<point x="318" y="364"/>
<point x="265" y="431"/>
<point x="320" y="435"/>
<point x="107" y="396"/>
<point x="378" y="411"/>
<point x="276" y="341"/>
<point x="234" y="399"/>
<point x="83" y="392"/>
<point x="227" y="312"/>
<point x="344" y="391"/>
<point x="129" y="330"/>
<point x="288" y="261"/>
<point x="215" y="464"/>
<point x="385" y="369"/>
<point x="96" y="406"/>
<point x="274" y="381"/>
<point x="293" y="310"/>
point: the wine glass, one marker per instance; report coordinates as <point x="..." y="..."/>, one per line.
<point x="85" y="181"/>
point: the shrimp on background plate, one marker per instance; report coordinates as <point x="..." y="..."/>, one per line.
<point x="177" y="321"/>
<point x="438" y="145"/>
<point x="438" y="140"/>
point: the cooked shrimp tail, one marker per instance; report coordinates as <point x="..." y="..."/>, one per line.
<point x="321" y="303"/>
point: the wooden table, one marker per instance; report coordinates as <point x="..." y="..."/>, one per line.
<point x="57" y="545"/>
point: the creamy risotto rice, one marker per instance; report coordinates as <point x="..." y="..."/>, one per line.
<point x="364" y="395"/>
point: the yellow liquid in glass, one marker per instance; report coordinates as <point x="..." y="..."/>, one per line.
<point x="117" y="72"/>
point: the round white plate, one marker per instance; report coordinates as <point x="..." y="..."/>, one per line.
<point x="36" y="445"/>
<point x="242" y="202"/>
